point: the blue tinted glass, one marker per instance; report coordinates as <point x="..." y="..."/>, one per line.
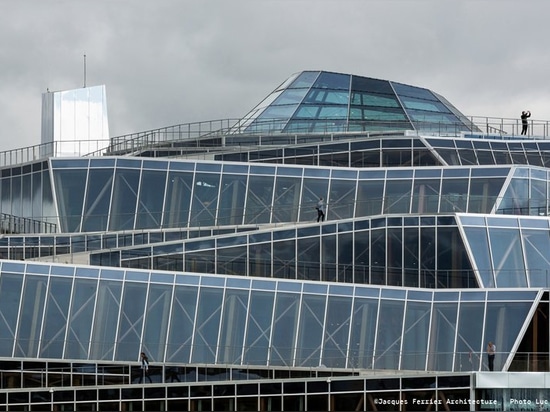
<point x="108" y="274"/>
<point x="238" y="283"/>
<point x="341" y="290"/>
<point x="13" y="267"/>
<point x="427" y="173"/>
<point x="209" y="167"/>
<point x="129" y="163"/>
<point x="262" y="170"/>
<point x="175" y="165"/>
<point x="367" y="292"/>
<point x="502" y="222"/>
<point x="157" y="165"/>
<point x="185" y="279"/>
<point x="400" y="174"/>
<point x="212" y="281"/>
<point x="284" y="234"/>
<point x="419" y="295"/>
<point x="260" y="237"/>
<point x="472" y="220"/>
<point x="317" y="172"/>
<point x="534" y="223"/>
<point x="63" y="270"/>
<point x="137" y="276"/>
<point x="289" y="171"/>
<point x="393" y="293"/>
<point x="445" y="296"/>
<point x="497" y="172"/>
<point x="69" y="163"/>
<point x="162" y="277"/>
<point x="457" y="172"/>
<point x="108" y="162"/>
<point x="38" y="269"/>
<point x="333" y="81"/>
<point x="289" y="287"/>
<point x="232" y="168"/>
<point x="263" y="284"/>
<point x="472" y="295"/>
<point x="507" y="295"/>
<point x="305" y="79"/>
<point x="344" y="174"/>
<point x="372" y="174"/>
<point x="315" y="288"/>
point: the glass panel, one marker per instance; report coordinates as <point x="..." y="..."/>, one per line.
<point x="80" y="321"/>
<point x="131" y="322"/>
<point x="503" y="323"/>
<point x="442" y="339"/>
<point x="479" y="246"/>
<point x="10" y="296"/>
<point x="426" y="196"/>
<point x="205" y="199"/>
<point x="178" y="199"/>
<point x="285" y="326"/>
<point x="259" y="328"/>
<point x="55" y="322"/>
<point x="232" y="197"/>
<point x="155" y="330"/>
<point x="312" y="316"/>
<point x="507" y="257"/>
<point x="123" y="208"/>
<point x="287" y="199"/>
<point x="388" y="340"/>
<point x="342" y="199"/>
<point x="69" y="188"/>
<point x="312" y="191"/>
<point x="106" y="320"/>
<point x="98" y="198"/>
<point x="537" y="245"/>
<point x="370" y="194"/>
<point x="259" y="199"/>
<point x="336" y="332"/>
<point x="454" y="195"/>
<point x="207" y="326"/>
<point x="469" y="345"/>
<point x="483" y="194"/>
<point x="235" y="313"/>
<point x="182" y="320"/>
<point x="30" y="321"/>
<point x="398" y="196"/>
<point x="415" y="337"/>
<point x="151" y="197"/>
<point x="363" y="332"/>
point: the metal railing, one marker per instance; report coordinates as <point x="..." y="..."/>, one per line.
<point x="213" y="132"/>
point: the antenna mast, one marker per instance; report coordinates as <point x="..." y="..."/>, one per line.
<point x="84" y="70"/>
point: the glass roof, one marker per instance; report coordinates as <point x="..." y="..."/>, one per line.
<point x="319" y="101"/>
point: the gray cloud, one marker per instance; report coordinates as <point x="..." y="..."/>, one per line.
<point x="175" y="61"/>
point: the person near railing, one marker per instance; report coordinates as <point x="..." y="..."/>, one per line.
<point x="524" y="116"/>
<point x="491" y="351"/>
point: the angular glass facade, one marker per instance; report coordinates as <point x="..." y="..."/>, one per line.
<point x="204" y="250"/>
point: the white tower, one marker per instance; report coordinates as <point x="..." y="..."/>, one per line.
<point x="74" y="122"/>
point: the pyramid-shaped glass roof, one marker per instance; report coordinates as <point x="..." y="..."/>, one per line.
<point x="320" y="101"/>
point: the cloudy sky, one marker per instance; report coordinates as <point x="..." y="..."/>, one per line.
<point x="166" y="62"/>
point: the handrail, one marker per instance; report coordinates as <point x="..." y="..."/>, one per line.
<point x="219" y="129"/>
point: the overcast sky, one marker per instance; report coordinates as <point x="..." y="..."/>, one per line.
<point x="166" y="62"/>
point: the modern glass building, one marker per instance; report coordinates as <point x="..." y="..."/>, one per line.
<point x="200" y="246"/>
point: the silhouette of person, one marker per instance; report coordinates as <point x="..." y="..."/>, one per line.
<point x="144" y="367"/>
<point x="491" y="350"/>
<point x="320" y="210"/>
<point x="524" y="116"/>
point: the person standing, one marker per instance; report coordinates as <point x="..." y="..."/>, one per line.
<point x="491" y="350"/>
<point x="320" y="210"/>
<point x="524" y="116"/>
<point x="144" y="367"/>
